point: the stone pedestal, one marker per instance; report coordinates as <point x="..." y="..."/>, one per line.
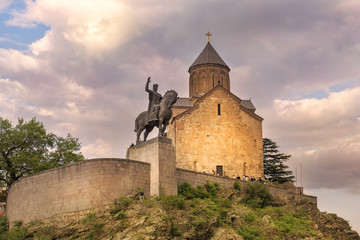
<point x="160" y="153"/>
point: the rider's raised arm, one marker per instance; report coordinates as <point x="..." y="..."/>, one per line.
<point x="147" y="86"/>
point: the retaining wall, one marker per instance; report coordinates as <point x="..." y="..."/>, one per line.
<point x="199" y="179"/>
<point x="76" y="187"/>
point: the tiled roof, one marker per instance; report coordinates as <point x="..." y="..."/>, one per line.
<point x="247" y="104"/>
<point x="209" y="56"/>
<point x="183" y="102"/>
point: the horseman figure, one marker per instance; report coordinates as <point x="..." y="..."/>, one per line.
<point x="158" y="113"/>
<point x="154" y="102"/>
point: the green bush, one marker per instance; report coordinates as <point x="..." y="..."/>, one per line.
<point x="173" y="202"/>
<point x="237" y="186"/>
<point x="3" y="224"/>
<point x="120" y="215"/>
<point x="251" y="232"/>
<point x="257" y="195"/>
<point x="18" y="223"/>
<point x="174" y="232"/>
<point x="122" y="203"/>
<point x="186" y="190"/>
<point x="16" y="233"/>
<point x="210" y="190"/>
<point x="250" y="217"/>
<point x="3" y="228"/>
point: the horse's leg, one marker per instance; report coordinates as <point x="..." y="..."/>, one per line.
<point x="161" y="121"/>
<point x="147" y="131"/>
<point x="141" y="127"/>
<point x="166" y="122"/>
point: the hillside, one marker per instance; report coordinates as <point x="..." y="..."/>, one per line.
<point x="197" y="213"/>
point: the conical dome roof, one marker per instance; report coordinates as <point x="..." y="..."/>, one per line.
<point x="209" y="56"/>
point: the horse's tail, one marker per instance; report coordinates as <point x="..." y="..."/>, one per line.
<point x="136" y="125"/>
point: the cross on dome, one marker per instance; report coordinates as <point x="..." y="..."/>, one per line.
<point x="208" y="34"/>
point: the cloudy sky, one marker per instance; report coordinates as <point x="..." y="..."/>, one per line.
<point x="80" y="67"/>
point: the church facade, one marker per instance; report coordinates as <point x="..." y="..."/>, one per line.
<point x="213" y="130"/>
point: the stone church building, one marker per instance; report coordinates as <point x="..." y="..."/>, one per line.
<point x="213" y="130"/>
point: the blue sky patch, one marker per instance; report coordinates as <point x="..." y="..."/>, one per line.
<point x="12" y="37"/>
<point x="342" y="86"/>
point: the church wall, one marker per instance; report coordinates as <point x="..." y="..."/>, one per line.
<point x="76" y="187"/>
<point x="203" y="139"/>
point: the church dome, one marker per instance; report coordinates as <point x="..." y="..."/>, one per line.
<point x="207" y="72"/>
<point x="208" y="56"/>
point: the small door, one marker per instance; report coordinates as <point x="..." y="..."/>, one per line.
<point x="219" y="170"/>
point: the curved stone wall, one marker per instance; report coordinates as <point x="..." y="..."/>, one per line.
<point x="80" y="186"/>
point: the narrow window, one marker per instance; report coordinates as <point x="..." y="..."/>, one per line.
<point x="203" y="83"/>
<point x="213" y="81"/>
<point x="219" y="110"/>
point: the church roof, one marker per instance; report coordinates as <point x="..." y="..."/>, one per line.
<point x="248" y="105"/>
<point x="208" y="56"/>
<point x="183" y="102"/>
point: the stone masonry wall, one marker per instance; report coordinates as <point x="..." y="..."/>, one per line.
<point x="219" y="132"/>
<point x="160" y="153"/>
<point x="200" y="179"/>
<point x="203" y="79"/>
<point x="76" y="187"/>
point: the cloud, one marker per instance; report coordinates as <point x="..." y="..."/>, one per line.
<point x="86" y="75"/>
<point x="319" y="120"/>
<point x="4" y="4"/>
<point x="334" y="167"/>
<point x="323" y="135"/>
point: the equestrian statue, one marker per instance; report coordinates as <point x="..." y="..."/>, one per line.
<point x="158" y="114"/>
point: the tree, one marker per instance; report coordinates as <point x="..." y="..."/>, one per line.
<point x="27" y="148"/>
<point x="274" y="168"/>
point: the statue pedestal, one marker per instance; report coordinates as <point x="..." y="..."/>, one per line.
<point x="160" y="153"/>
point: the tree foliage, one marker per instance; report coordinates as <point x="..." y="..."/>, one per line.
<point x="274" y="163"/>
<point x="27" y="148"/>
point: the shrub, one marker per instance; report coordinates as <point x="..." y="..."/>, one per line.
<point x="237" y="186"/>
<point x="250" y="217"/>
<point x="186" y="190"/>
<point x="89" y="218"/>
<point x="122" y="203"/>
<point x="250" y="232"/>
<point x="257" y="196"/>
<point x="16" y="234"/>
<point x="173" y="202"/>
<point x="3" y="224"/>
<point x="18" y="223"/>
<point x="174" y="232"/>
<point x="210" y="190"/>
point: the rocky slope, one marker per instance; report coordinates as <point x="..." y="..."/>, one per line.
<point x="205" y="213"/>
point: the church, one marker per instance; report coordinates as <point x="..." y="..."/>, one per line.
<point x="213" y="130"/>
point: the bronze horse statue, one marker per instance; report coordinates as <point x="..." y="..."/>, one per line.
<point x="164" y="115"/>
